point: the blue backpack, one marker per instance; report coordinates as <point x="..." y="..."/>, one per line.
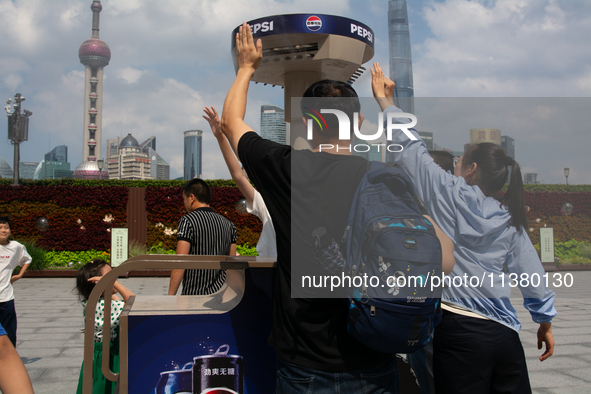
<point x="395" y="248"/>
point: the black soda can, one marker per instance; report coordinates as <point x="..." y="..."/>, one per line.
<point x="175" y="382"/>
<point x="219" y="373"/>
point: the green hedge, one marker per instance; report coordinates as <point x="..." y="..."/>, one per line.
<point x="114" y="182"/>
<point x="230" y="183"/>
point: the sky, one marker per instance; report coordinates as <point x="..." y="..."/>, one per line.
<point x="170" y="58"/>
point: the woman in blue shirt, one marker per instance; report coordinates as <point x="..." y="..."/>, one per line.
<point x="476" y="346"/>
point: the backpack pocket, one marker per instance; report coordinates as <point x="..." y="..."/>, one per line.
<point x="386" y="327"/>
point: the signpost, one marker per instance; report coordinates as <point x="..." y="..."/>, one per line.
<point x="119" y="246"/>
<point x="547" y="244"/>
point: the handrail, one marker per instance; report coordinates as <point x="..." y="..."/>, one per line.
<point x="153" y="261"/>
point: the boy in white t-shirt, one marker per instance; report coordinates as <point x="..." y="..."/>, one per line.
<point x="267" y="245"/>
<point x="12" y="255"/>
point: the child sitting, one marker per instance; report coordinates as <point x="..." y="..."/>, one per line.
<point x="88" y="276"/>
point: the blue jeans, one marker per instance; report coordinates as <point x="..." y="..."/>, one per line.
<point x="295" y="379"/>
<point x="421" y="362"/>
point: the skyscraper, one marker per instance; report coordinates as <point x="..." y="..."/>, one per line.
<point x="273" y="127"/>
<point x="159" y="168"/>
<point x="400" y="56"/>
<point x="52" y="170"/>
<point x="530" y="179"/>
<point x="508" y="144"/>
<point x="26" y="169"/>
<point x="149" y="143"/>
<point x="193" y="151"/>
<point x="59" y="153"/>
<point x="94" y="54"/>
<point x="55" y="165"/>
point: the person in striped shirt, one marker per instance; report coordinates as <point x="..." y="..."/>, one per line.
<point x="201" y="232"/>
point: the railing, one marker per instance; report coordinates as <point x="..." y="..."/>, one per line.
<point x="105" y="286"/>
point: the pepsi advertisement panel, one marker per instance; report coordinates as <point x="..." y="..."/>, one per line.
<point x="309" y="23"/>
<point x="206" y="354"/>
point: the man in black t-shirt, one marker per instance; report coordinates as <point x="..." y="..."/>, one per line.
<point x="302" y="190"/>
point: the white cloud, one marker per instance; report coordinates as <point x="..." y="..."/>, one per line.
<point x="130" y="74"/>
<point x="511" y="48"/>
<point x="12" y="81"/>
<point x="188" y="31"/>
<point x="72" y="16"/>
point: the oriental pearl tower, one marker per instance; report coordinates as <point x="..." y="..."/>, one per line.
<point x="95" y="54"/>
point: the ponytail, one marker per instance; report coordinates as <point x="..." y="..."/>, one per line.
<point x="514" y="197"/>
<point x="493" y="169"/>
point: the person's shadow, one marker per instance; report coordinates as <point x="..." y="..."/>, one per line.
<point x="27" y="360"/>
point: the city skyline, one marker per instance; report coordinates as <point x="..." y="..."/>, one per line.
<point x="161" y="78"/>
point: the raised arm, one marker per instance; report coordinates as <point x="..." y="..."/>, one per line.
<point x="382" y="87"/>
<point x="117" y="286"/>
<point x="249" y="57"/>
<point x="236" y="172"/>
<point x="123" y="291"/>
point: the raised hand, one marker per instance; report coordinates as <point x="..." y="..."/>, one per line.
<point x="211" y="115"/>
<point x="377" y="81"/>
<point x="382" y="87"/>
<point x="389" y="86"/>
<point x="248" y="54"/>
<point x="95" y="279"/>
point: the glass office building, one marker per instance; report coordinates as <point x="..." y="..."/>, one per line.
<point x="59" y="153"/>
<point x="273" y="127"/>
<point x="508" y="144"/>
<point x="193" y="154"/>
<point x="400" y="56"/>
<point x="26" y="169"/>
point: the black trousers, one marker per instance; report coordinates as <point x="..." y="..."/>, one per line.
<point x="8" y="319"/>
<point x="478" y="356"/>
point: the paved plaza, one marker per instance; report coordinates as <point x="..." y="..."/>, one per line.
<point x="50" y="338"/>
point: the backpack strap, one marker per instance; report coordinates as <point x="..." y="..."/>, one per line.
<point x="377" y="165"/>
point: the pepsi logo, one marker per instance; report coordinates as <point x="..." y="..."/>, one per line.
<point x="314" y="23"/>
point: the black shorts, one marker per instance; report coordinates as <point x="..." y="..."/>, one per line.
<point x="481" y="356"/>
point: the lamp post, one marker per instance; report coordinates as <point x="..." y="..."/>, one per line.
<point x="18" y="130"/>
<point x="100" y="163"/>
<point x="566" y="172"/>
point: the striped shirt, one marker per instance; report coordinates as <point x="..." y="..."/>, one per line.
<point x="208" y="233"/>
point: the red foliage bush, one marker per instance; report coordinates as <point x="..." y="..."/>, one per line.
<point x="64" y="205"/>
<point x="165" y="205"/>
